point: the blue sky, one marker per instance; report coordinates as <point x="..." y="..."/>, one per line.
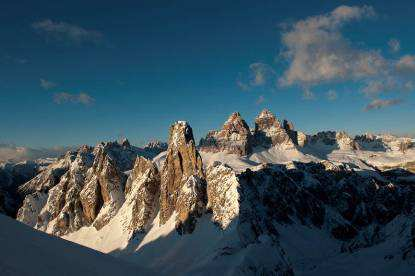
<point x="76" y="72"/>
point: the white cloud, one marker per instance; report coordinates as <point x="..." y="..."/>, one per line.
<point x="45" y="84"/>
<point x="379" y="103"/>
<point x="260" y="74"/>
<point x="81" y="98"/>
<point x="394" y="45"/>
<point x="332" y="95"/>
<point x="392" y="83"/>
<point x="66" y="32"/>
<point x="406" y="64"/>
<point x="317" y="51"/>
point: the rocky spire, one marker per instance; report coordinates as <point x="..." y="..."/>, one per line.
<point x="287" y="125"/>
<point x="142" y="192"/>
<point x="183" y="185"/>
<point x="265" y="120"/>
<point x="269" y="132"/>
<point x="235" y="137"/>
<point x="103" y="193"/>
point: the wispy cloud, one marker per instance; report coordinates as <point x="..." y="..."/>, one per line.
<point x="259" y="75"/>
<point x="66" y="32"/>
<point x="379" y="103"/>
<point x="394" y="45"/>
<point x="406" y="64"/>
<point x="45" y="84"/>
<point x="81" y="98"/>
<point x="317" y="51"/>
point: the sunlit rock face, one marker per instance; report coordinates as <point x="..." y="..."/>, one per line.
<point x="183" y="184"/>
<point x="222" y="194"/>
<point x="63" y="210"/>
<point x="269" y="131"/>
<point x="336" y="140"/>
<point x="142" y="193"/>
<point x="85" y="187"/>
<point x="234" y="137"/>
<point x="103" y="193"/>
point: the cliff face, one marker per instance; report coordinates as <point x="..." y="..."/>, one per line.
<point x="142" y="194"/>
<point x="84" y="187"/>
<point x="183" y="184"/>
<point x="269" y="131"/>
<point x="234" y="137"/>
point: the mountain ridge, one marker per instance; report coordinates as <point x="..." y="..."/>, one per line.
<point x="242" y="189"/>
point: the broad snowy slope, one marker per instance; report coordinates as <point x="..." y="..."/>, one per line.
<point x="25" y="251"/>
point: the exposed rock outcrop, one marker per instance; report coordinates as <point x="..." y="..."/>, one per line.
<point x="183" y="185"/>
<point x="235" y="137"/>
<point x="142" y="194"/>
<point x="35" y="192"/>
<point x="223" y="194"/>
<point x="63" y="211"/>
<point x="155" y="147"/>
<point x="337" y="140"/>
<point x="84" y="187"/>
<point x="269" y="132"/>
<point x="103" y="193"/>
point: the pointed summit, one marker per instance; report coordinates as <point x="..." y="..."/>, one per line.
<point x="265" y="120"/>
<point x="124" y="142"/>
<point x="269" y="132"/>
<point x="235" y="137"/>
<point x="183" y="184"/>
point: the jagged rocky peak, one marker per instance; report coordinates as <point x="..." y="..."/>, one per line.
<point x="84" y="187"/>
<point x="289" y="126"/>
<point x="234" y="137"/>
<point x="155" y="146"/>
<point x="63" y="210"/>
<point x="269" y="131"/>
<point x="45" y="194"/>
<point x="265" y="120"/>
<point x="142" y="192"/>
<point x="340" y="140"/>
<point x="183" y="184"/>
<point x="103" y="193"/>
<point x="124" y="142"/>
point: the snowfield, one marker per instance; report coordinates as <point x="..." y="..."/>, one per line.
<point x="25" y="251"/>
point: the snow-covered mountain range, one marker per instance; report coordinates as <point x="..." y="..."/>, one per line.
<point x="267" y="201"/>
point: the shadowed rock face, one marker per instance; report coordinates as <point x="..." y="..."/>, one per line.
<point x="103" y="193"/>
<point x="12" y="175"/>
<point x="183" y="187"/>
<point x="2" y="199"/>
<point x="235" y="137"/>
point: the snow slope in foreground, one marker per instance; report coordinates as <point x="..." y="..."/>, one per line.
<point x="25" y="251"/>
